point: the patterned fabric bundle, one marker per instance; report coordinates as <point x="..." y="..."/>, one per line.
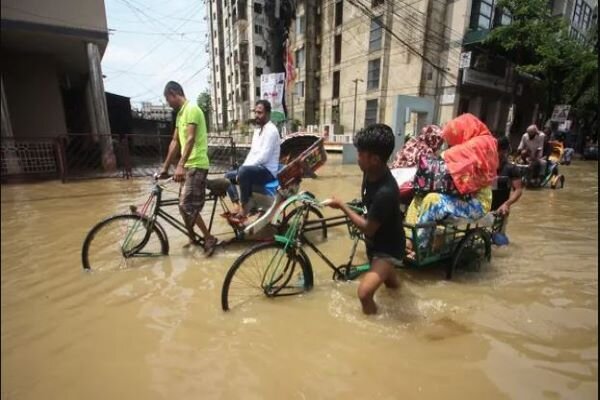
<point x="432" y="176"/>
<point x="428" y="142"/>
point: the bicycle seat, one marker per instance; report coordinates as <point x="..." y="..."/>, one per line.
<point x="217" y="187"/>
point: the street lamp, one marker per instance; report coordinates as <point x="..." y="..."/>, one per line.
<point x="355" y="91"/>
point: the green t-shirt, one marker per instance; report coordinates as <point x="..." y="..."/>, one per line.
<point x="192" y="114"/>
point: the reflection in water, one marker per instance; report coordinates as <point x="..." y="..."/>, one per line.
<point x="524" y="328"/>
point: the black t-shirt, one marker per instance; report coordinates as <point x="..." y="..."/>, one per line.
<point x="506" y="173"/>
<point x="382" y="200"/>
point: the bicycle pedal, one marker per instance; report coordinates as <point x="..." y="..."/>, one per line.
<point x="133" y="209"/>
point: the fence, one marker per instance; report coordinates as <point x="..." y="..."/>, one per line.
<point x="79" y="156"/>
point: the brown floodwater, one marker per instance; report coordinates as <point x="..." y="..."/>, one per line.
<point x="525" y="328"/>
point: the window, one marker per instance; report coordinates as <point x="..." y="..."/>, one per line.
<point x="339" y="12"/>
<point x="258" y="29"/>
<point x="300" y="22"/>
<point x="335" y="114"/>
<point x="257" y="93"/>
<point x="258" y="71"/>
<point x="299" y="58"/>
<point x="258" y="51"/>
<point x="375" y="3"/>
<point x="375" y="34"/>
<point x="258" y="8"/>
<point x="226" y="22"/>
<point x="481" y="14"/>
<point x="506" y="18"/>
<point x="337" y="53"/>
<point x="582" y="15"/>
<point x="336" y="85"/>
<point x="371" y="113"/>
<point x="373" y="74"/>
<point x="299" y="89"/>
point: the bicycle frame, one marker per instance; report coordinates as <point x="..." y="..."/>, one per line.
<point x="170" y="219"/>
<point x="295" y="235"/>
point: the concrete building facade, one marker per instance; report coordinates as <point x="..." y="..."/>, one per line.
<point x="240" y="54"/>
<point x="51" y="74"/>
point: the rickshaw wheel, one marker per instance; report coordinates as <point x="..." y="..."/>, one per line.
<point x="472" y="251"/>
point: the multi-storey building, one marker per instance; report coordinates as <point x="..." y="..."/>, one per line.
<point x="489" y="86"/>
<point x="580" y="14"/>
<point x="407" y="63"/>
<point x="240" y="53"/>
<point x="368" y="61"/>
<point x="158" y="112"/>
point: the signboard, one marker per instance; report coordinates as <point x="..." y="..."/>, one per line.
<point x="565" y="126"/>
<point x="465" y="60"/>
<point x="478" y="78"/>
<point x="560" y="113"/>
<point x="272" y="89"/>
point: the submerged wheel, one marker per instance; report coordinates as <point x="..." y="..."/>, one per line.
<point x="318" y="230"/>
<point x="122" y="241"/>
<point x="267" y="269"/>
<point x="471" y="253"/>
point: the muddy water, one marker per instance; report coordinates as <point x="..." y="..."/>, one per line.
<point x="526" y="328"/>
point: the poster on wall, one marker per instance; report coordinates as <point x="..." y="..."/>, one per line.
<point x="272" y="89"/>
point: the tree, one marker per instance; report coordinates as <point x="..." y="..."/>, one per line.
<point x="539" y="44"/>
<point x="205" y="105"/>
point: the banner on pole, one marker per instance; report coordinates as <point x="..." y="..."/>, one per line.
<point x="272" y="89"/>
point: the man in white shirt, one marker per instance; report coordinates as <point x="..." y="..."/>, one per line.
<point x="532" y="143"/>
<point x="531" y="150"/>
<point x="262" y="162"/>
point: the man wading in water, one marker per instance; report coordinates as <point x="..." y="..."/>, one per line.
<point x="383" y="226"/>
<point x="190" y="136"/>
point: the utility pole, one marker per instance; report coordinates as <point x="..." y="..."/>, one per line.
<point x="355" y="92"/>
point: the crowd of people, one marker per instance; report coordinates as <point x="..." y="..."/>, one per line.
<point x="460" y="170"/>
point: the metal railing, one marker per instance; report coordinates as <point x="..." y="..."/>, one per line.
<point x="84" y="156"/>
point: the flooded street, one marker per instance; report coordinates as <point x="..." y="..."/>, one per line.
<point x="525" y="328"/>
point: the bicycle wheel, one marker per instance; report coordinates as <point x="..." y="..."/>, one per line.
<point x="122" y="241"/>
<point x="471" y="253"/>
<point x="315" y="228"/>
<point x="267" y="269"/>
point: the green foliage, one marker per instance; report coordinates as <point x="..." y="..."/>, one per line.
<point x="539" y="44"/>
<point x="204" y="103"/>
<point x="296" y="123"/>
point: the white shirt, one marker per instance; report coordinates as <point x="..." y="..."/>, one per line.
<point x="535" y="145"/>
<point x="265" y="148"/>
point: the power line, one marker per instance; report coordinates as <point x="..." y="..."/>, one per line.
<point x="156" y="46"/>
<point x="365" y="10"/>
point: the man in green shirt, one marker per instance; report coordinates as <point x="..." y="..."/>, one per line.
<point x="191" y="138"/>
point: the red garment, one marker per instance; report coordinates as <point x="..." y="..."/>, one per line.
<point x="472" y="159"/>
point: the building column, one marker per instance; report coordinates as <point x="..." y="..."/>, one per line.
<point x="100" y="109"/>
<point x="89" y="101"/>
<point x="12" y="161"/>
<point x="6" y="125"/>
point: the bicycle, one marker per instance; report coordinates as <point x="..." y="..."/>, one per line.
<point x="282" y="266"/>
<point x="139" y="233"/>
